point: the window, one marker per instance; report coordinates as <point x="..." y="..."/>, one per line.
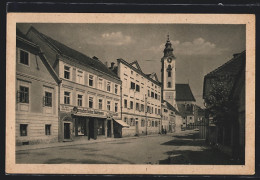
<point x="66" y="97"/>
<point x="152" y="94"/>
<point x="152" y="110"/>
<point x="24" y="57"/>
<point x="116" y="107"/>
<point x="108" y="86"/>
<point x="137" y="106"/>
<point x="137" y="88"/>
<point x="190" y="117"/>
<point x="155" y="96"/>
<point x="100" y="104"/>
<point x="165" y="110"/>
<point x="148" y="109"/>
<point x="23" y="94"/>
<point x="48" y="99"/>
<point x="80" y="97"/>
<point x="152" y="84"/>
<point x="159" y="111"/>
<point x="90" y="102"/>
<point x="155" y="111"/>
<point x="66" y="72"/>
<point x="132" y="85"/>
<point x="108" y="105"/>
<point x="79" y="77"/>
<point x="132" y="122"/>
<point x="159" y="97"/>
<point x="142" y="123"/>
<point x="132" y="72"/>
<point x="100" y="83"/>
<point x="116" y="88"/>
<point x="23" y="129"/>
<point x="125" y="103"/>
<point x="47" y="129"/>
<point x="90" y="80"/>
<point x="169" y="73"/>
<point x="156" y="124"/>
<point x="131" y="105"/>
<point x="125" y="119"/>
<point x="142" y="107"/>
<point x="169" y="85"/>
<point x="152" y="123"/>
<point x="148" y="93"/>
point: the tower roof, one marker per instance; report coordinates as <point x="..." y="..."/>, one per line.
<point x="168" y="50"/>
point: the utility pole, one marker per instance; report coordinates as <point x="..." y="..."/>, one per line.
<point x="145" y="110"/>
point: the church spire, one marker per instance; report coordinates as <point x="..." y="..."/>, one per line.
<point x="168" y="50"/>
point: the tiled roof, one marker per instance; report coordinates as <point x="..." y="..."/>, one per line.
<point x="82" y="58"/>
<point x="24" y="37"/>
<point x="231" y="67"/>
<point x="184" y="93"/>
<point x="169" y="106"/>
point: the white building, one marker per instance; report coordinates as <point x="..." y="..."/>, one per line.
<point x="141" y="99"/>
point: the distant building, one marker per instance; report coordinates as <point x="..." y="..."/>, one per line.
<point x="229" y="134"/>
<point x="141" y="99"/>
<point x="36" y="94"/>
<point x="90" y="93"/>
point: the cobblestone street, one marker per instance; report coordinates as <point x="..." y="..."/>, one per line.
<point x="184" y="148"/>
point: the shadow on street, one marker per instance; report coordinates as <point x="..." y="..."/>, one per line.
<point x="192" y="150"/>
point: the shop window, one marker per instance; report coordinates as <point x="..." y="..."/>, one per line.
<point x="90" y="102"/>
<point x="116" y="107"/>
<point x="66" y="72"/>
<point x="101" y="129"/>
<point x="131" y="105"/>
<point x="66" y="97"/>
<point x="47" y="129"/>
<point x="24" y="57"/>
<point x="80" y="97"/>
<point x="91" y="80"/>
<point x="23" y="94"/>
<point x="100" y="104"/>
<point x="23" y="129"/>
<point x="48" y="99"/>
<point x="108" y="105"/>
<point x="125" y="103"/>
<point x="132" y="85"/>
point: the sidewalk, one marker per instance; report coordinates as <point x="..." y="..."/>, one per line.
<point x="77" y="142"/>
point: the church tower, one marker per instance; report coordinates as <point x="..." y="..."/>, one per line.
<point x="168" y="74"/>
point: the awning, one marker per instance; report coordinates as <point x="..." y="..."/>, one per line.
<point x="122" y="123"/>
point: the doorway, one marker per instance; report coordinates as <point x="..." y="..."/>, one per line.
<point x="91" y="128"/>
<point x="66" y="130"/>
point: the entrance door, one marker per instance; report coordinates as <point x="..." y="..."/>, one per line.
<point x="66" y="130"/>
<point x="136" y="128"/>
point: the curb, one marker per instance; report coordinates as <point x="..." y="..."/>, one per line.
<point x="61" y="144"/>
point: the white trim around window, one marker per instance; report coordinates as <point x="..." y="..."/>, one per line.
<point x="19" y="57"/>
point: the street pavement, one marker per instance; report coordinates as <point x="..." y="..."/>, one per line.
<point x="181" y="148"/>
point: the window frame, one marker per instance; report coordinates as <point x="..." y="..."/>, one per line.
<point x="78" y="100"/>
<point x="68" y="97"/>
<point x="45" y="97"/>
<point x="26" y="130"/>
<point x="49" y="132"/>
<point x="109" y="105"/>
<point x="28" y="65"/>
<point x="91" y="79"/>
<point x="91" y="99"/>
<point x="69" y="71"/>
<point x="100" y="102"/>
<point x="79" y="71"/>
<point x="27" y="100"/>
<point x="108" y="88"/>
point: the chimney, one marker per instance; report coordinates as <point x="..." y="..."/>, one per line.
<point x="112" y="65"/>
<point x="94" y="57"/>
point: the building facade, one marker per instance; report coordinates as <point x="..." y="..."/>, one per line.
<point x="141" y="99"/>
<point x="89" y="95"/>
<point x="36" y="93"/>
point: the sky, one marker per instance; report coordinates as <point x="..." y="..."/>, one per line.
<point x="199" y="48"/>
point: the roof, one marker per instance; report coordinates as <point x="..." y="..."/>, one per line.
<point x="76" y="55"/>
<point x="184" y="93"/>
<point x="139" y="70"/>
<point x="24" y="38"/>
<point x="169" y="106"/>
<point x="232" y="68"/>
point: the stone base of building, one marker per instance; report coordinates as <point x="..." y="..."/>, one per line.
<point x="39" y="140"/>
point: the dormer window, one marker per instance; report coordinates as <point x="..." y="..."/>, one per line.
<point x="24" y="57"/>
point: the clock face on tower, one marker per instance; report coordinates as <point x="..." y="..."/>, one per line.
<point x="169" y="60"/>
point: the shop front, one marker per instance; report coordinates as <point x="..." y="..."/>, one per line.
<point x="83" y="123"/>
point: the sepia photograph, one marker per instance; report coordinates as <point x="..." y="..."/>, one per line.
<point x="139" y="93"/>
